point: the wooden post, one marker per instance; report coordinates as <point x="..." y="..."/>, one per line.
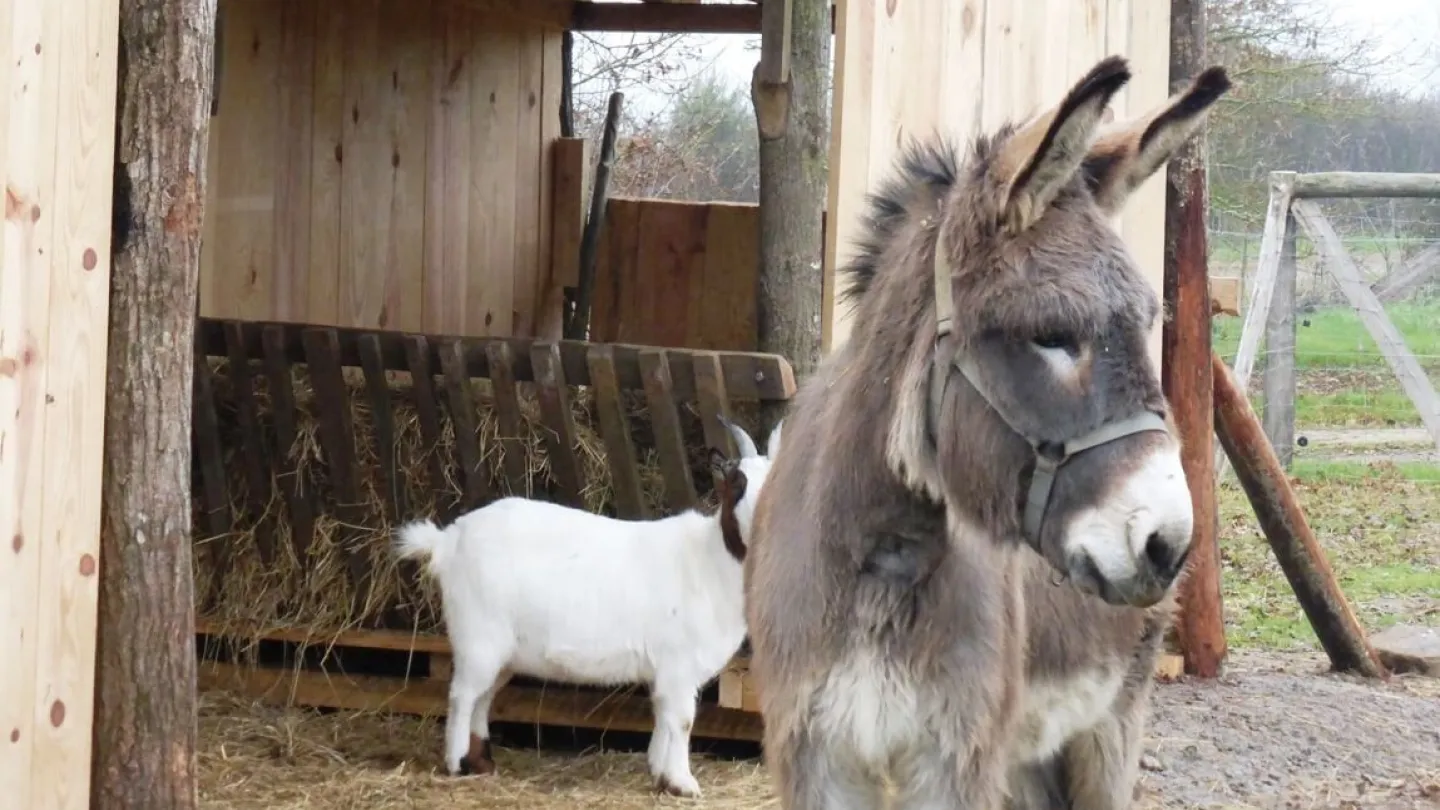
<point x="1185" y="372"/>
<point x="57" y="124"/>
<point x="1298" y="552"/>
<point x="789" y="93"/>
<point x="578" y="325"/>
<point x="145" y="691"/>
<point x="1367" y="184"/>
<point x="1279" y="372"/>
<point x="1257" y="307"/>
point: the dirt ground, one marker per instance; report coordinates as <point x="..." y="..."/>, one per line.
<point x="1275" y="732"/>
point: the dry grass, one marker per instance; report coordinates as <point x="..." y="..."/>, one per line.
<point x="310" y="587"/>
<point x="254" y="757"/>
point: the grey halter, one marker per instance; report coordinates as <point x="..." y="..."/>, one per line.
<point x="1047" y="461"/>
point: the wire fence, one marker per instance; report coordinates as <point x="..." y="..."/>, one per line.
<point x="1353" y="420"/>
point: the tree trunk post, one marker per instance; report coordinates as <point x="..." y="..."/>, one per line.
<point x="789" y="90"/>
<point x="1186" y="373"/>
<point x="145" y="727"/>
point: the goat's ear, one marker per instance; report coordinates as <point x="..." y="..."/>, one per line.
<point x="735" y="483"/>
<point x="1040" y="158"/>
<point x="719" y="463"/>
<point x="1121" y="160"/>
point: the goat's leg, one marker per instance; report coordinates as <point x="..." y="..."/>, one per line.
<point x="674" y="703"/>
<point x="480" y="759"/>
<point x="934" y="776"/>
<point x="474" y="678"/>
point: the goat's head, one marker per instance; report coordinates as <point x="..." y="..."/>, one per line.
<point x="738" y="482"/>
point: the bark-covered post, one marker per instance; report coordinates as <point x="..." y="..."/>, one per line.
<point x="790" y="89"/>
<point x="145" y="728"/>
<point x="1186" y="350"/>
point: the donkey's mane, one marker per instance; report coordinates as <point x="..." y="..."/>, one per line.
<point x="924" y="172"/>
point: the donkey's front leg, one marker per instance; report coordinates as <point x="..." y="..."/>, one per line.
<point x="811" y="774"/>
<point x="937" y="777"/>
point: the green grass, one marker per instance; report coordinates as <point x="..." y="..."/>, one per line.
<point x="1343" y="378"/>
<point x="1335" y="338"/>
<point x="1380" y="527"/>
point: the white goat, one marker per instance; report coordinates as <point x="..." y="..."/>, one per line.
<point x="546" y="591"/>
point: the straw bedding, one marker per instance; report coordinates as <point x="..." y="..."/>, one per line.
<point x="310" y="588"/>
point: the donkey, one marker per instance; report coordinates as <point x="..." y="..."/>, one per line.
<point x="889" y="585"/>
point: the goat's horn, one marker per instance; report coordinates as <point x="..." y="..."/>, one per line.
<point x="772" y="444"/>
<point x="743" y="442"/>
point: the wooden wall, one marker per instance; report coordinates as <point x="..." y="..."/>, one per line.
<point x="381" y="164"/>
<point x="57" y="130"/>
<point x="677" y="274"/>
<point x="910" y="68"/>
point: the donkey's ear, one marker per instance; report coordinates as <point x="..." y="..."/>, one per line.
<point x="1040" y="158"/>
<point x="1120" y="161"/>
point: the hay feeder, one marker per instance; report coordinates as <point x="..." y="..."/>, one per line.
<point x="313" y="443"/>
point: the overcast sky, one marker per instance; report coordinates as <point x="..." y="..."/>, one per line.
<point x="1408" y="32"/>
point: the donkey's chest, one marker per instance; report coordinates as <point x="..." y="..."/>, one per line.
<point x="1054" y="711"/>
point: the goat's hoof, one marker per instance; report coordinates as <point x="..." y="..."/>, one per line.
<point x="686" y="788"/>
<point x="478" y="760"/>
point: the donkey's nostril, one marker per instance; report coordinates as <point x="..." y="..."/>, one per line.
<point x="1160" y="555"/>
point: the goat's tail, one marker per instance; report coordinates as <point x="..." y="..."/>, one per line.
<point x="422" y="538"/>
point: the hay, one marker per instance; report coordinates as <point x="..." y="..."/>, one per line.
<point x="311" y="588"/>
<point x="254" y="757"/>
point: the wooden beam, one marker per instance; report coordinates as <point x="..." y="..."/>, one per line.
<point x="514" y="704"/>
<point x="748" y="375"/>
<point x="1289" y="534"/>
<point x="1410" y="275"/>
<point x="1412" y="376"/>
<point x="1366" y="184"/>
<point x="668" y="18"/>
<point x="775" y="42"/>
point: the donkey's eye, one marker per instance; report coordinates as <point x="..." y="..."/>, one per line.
<point x="1056" y="341"/>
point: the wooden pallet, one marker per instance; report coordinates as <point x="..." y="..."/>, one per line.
<point x="424" y="689"/>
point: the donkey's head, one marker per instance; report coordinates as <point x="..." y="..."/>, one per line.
<point x="1041" y="406"/>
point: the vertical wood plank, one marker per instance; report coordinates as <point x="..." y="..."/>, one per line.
<point x="337" y="439"/>
<point x="327" y="164"/>
<point x="29" y="44"/>
<point x="495" y="100"/>
<point x="252" y="442"/>
<point x="713" y="401"/>
<point x="615" y="431"/>
<point x="665" y="420"/>
<point x="293" y="144"/>
<point x="501" y="360"/>
<point x="75" y="349"/>
<point x="210" y="458"/>
<point x="552" y="72"/>
<point x="723" y="302"/>
<point x="569" y="159"/>
<point x="282" y="412"/>
<point x="427" y="411"/>
<point x="382" y="416"/>
<point x="364" y="231"/>
<point x="531" y="175"/>
<point x="462" y="415"/>
<point x="400" y="209"/>
<point x="448" y="166"/>
<point x="246" y="180"/>
<point x="559" y="422"/>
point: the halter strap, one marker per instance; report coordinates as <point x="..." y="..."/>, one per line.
<point x="1047" y="462"/>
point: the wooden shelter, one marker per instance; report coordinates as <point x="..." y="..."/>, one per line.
<point x="391" y="217"/>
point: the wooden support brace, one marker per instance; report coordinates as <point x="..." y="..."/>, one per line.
<point x="1286" y="529"/>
